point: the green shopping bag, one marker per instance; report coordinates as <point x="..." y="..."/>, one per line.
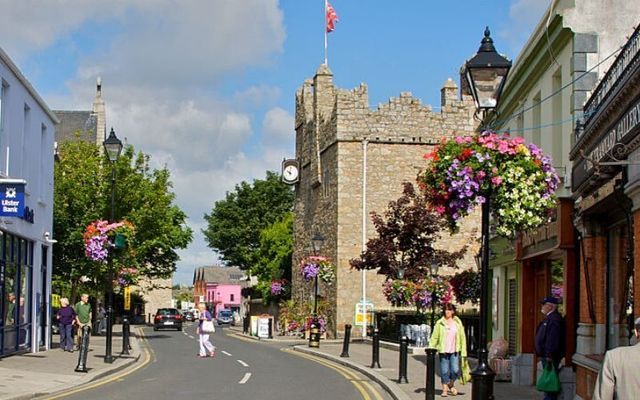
<point x="548" y="381"/>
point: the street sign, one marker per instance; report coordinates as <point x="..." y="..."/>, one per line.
<point x="127" y="298"/>
<point x="55" y="300"/>
<point x="364" y="313"/>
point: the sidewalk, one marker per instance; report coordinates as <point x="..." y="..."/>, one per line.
<point x="33" y="375"/>
<point x="387" y="376"/>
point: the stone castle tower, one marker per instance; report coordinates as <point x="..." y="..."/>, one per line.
<point x="353" y="160"/>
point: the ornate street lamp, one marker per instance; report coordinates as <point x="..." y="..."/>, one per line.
<point x="433" y="270"/>
<point x="486" y="74"/>
<point x="113" y="148"/>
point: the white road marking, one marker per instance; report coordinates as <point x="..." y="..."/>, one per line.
<point x="226" y="354"/>
<point x="191" y="337"/>
<point x="244" y="364"/>
<point x="245" y="378"/>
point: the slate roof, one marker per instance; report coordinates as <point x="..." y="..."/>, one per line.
<point x="220" y="275"/>
<point x="74" y="122"/>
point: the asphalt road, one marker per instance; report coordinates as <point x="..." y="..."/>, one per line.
<point x="242" y="369"/>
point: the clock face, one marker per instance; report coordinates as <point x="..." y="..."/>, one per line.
<point x="290" y="173"/>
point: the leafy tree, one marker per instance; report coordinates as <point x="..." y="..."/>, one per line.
<point x="274" y="254"/>
<point x="143" y="196"/>
<point x="407" y="234"/>
<point x="235" y="223"/>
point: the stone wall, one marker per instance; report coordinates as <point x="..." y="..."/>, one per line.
<point x="334" y="130"/>
<point x="156" y="294"/>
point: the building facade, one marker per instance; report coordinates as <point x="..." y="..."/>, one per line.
<point x="353" y="161"/>
<point x="27" y="129"/>
<point x="542" y="98"/>
<point x="219" y="288"/>
<point x="606" y="191"/>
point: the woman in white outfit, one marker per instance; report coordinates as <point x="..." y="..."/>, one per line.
<point x="205" y="344"/>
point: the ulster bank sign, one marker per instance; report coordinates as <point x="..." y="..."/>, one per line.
<point x="12" y="198"/>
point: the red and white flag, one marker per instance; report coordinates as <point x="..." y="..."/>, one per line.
<point x="332" y="18"/>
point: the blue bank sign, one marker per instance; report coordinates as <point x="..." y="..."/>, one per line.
<point x="12" y="198"/>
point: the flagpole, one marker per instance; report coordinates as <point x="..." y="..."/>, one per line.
<point x="326" y="62"/>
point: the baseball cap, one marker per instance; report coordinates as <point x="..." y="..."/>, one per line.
<point x="550" y="299"/>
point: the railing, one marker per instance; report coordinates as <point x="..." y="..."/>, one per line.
<point x="627" y="58"/>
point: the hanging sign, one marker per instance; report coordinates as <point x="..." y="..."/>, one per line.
<point x="12" y="197"/>
<point x="127" y="298"/>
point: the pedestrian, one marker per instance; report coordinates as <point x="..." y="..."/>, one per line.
<point x="450" y="341"/>
<point x="618" y="377"/>
<point x="205" y="344"/>
<point x="83" y="316"/>
<point x="11" y="310"/>
<point x="102" y="319"/>
<point x="66" y="317"/>
<point x="549" y="340"/>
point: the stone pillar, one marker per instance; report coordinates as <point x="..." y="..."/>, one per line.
<point x="448" y="93"/>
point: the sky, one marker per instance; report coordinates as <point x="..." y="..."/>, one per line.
<point x="207" y="87"/>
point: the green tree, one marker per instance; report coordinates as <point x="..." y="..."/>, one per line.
<point x="235" y="223"/>
<point x="143" y="196"/>
<point x="274" y="255"/>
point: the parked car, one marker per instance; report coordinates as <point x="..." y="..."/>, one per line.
<point x="188" y="316"/>
<point x="167" y="318"/>
<point x="224" y="317"/>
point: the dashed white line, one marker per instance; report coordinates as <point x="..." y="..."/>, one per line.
<point x="244" y="364"/>
<point x="226" y="354"/>
<point x="191" y="337"/>
<point x="245" y="378"/>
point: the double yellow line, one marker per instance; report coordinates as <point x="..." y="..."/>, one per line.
<point x="148" y="356"/>
<point x="363" y="387"/>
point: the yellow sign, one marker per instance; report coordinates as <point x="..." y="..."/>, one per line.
<point x="55" y="300"/>
<point x="364" y="313"/>
<point x="127" y="298"/>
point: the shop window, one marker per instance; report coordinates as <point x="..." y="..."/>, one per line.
<point x="619" y="273"/>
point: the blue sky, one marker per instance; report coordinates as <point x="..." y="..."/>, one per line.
<point x="207" y="87"/>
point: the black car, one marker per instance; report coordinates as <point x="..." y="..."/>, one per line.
<point x="188" y="316"/>
<point x="167" y="318"/>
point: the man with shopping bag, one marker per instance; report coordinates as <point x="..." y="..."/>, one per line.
<point x="550" y="347"/>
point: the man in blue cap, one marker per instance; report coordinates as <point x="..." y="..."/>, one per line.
<point x="550" y="337"/>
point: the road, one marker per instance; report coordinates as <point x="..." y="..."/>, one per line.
<point x="242" y="369"/>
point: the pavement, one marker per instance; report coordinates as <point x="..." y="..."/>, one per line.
<point x="48" y="373"/>
<point x="360" y="357"/>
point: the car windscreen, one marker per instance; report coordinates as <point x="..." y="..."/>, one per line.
<point x="224" y="314"/>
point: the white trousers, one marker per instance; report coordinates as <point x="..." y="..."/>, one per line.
<point x="205" y="344"/>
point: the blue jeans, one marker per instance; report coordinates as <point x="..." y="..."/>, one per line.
<point x="449" y="367"/>
<point x="66" y="337"/>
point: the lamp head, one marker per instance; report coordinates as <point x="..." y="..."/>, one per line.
<point x="112" y="146"/>
<point x="317" y="241"/>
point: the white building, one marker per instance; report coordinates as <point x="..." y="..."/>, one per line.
<point x="27" y="128"/>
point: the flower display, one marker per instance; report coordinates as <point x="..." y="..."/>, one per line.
<point x="466" y="286"/>
<point x="278" y="287"/>
<point x="127" y="277"/>
<point x="318" y="266"/>
<point x="99" y="237"/>
<point x="463" y="169"/>
<point x="421" y="294"/>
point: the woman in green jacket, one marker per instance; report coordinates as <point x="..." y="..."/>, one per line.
<point x="449" y="340"/>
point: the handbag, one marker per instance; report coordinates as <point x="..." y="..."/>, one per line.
<point x="465" y="371"/>
<point x="208" y="327"/>
<point x="549" y="381"/>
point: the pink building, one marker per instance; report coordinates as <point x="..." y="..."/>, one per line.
<point x="219" y="287"/>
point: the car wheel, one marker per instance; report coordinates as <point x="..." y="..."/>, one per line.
<point x="155" y="329"/>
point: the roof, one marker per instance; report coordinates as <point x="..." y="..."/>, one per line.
<point x="221" y="275"/>
<point x="75" y="126"/>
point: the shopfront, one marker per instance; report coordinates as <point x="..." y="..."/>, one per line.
<point x="606" y="190"/>
<point x="16" y="296"/>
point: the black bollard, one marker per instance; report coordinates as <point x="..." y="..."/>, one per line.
<point x="149" y="319"/>
<point x="125" y="335"/>
<point x="402" y="368"/>
<point x="375" y="349"/>
<point x="270" y="328"/>
<point x="84" y="350"/>
<point x="314" y="335"/>
<point x="347" y="338"/>
<point x="430" y="389"/>
<point x="245" y="325"/>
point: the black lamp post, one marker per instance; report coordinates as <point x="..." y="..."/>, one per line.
<point x="433" y="270"/>
<point x="113" y="148"/>
<point x="486" y="73"/>
<point x="317" y="241"/>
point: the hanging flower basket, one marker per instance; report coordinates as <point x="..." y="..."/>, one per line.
<point x="421" y="294"/>
<point x="466" y="286"/>
<point x="127" y="277"/>
<point x="522" y="180"/>
<point x="318" y="266"/>
<point x="100" y="237"/>
<point x="279" y="287"/>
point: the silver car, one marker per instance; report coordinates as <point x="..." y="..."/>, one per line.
<point x="224" y="317"/>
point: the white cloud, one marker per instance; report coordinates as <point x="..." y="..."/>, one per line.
<point x="277" y="127"/>
<point x="524" y="15"/>
<point x="257" y="95"/>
